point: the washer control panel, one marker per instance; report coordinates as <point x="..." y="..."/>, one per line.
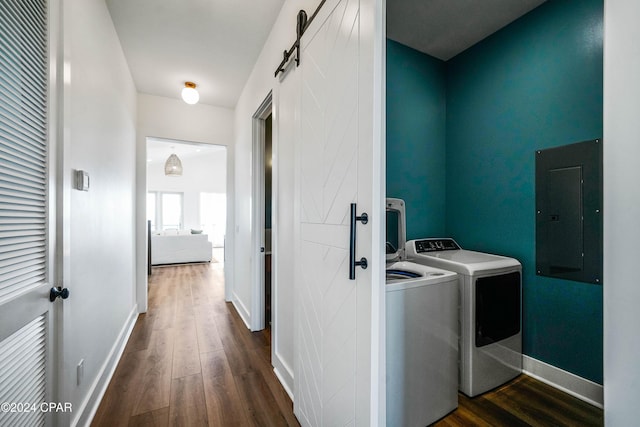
<point x="433" y="245"/>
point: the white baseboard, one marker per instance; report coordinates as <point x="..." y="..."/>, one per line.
<point x="242" y="310"/>
<point x="90" y="405"/>
<point x="284" y="374"/>
<point x="576" y="386"/>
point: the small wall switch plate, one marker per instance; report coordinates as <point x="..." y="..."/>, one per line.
<point x="82" y="180"/>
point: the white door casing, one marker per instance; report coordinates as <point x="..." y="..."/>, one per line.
<point x="337" y="163"/>
<point x="258" y="217"/>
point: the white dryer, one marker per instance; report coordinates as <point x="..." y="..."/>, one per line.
<point x="490" y="289"/>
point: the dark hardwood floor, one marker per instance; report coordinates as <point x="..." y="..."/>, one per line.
<point x="191" y="361"/>
<point x="524" y="401"/>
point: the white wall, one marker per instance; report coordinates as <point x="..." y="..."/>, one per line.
<point x="173" y="119"/>
<point x="97" y="240"/>
<point x="621" y="212"/>
<point x="203" y="173"/>
<point x="259" y="84"/>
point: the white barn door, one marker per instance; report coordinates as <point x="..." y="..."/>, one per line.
<point x="335" y="168"/>
<point x="27" y="326"/>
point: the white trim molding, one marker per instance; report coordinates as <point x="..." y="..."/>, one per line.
<point x="284" y="373"/>
<point x="90" y="405"/>
<point x="242" y="310"/>
<point x="576" y="386"/>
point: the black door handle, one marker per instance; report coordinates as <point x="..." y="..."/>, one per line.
<point x="58" y="292"/>
<point x="364" y="218"/>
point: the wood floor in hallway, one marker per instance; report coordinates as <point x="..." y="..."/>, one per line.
<point x="191" y="361"/>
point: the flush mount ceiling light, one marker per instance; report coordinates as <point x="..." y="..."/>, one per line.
<point x="173" y="166"/>
<point x="189" y="94"/>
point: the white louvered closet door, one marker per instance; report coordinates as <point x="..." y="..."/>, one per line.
<point x="25" y="310"/>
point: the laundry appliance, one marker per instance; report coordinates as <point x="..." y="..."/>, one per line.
<point x="421" y="335"/>
<point x="490" y="288"/>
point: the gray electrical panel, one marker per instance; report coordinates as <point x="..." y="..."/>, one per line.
<point x="569" y="212"/>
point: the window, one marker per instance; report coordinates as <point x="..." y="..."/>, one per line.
<point x="151" y="209"/>
<point x="213" y="216"/>
<point x="165" y="210"/>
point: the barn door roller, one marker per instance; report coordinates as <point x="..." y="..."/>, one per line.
<point x="301" y="26"/>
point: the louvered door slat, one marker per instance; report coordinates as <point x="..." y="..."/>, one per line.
<point x="26" y="280"/>
<point x="23" y="372"/>
<point x="17" y="174"/>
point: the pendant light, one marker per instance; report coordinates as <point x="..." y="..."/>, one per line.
<point x="173" y="165"/>
<point x="189" y="94"/>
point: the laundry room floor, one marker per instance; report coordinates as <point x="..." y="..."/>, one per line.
<point x="524" y="401"/>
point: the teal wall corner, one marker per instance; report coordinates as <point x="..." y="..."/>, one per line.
<point x="416" y="102"/>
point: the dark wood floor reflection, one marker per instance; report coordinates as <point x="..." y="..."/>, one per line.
<point x="524" y="401"/>
<point x="191" y="361"/>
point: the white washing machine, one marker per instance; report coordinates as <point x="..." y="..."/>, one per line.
<point x="422" y="344"/>
<point x="490" y="311"/>
<point x="421" y="341"/>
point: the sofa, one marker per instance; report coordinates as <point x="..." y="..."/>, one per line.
<point x="179" y="247"/>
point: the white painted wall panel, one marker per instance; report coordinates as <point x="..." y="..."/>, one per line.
<point x="621" y="211"/>
<point x="98" y="241"/>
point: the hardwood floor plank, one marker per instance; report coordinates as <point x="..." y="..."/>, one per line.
<point x="141" y="334"/>
<point x="165" y="314"/>
<point x="119" y="399"/>
<point x="523" y="401"/>
<point x="188" y="407"/>
<point x="186" y="357"/>
<point x="207" y="331"/>
<point x="261" y="407"/>
<point x="156" y="381"/>
<point x="575" y="409"/>
<point x="277" y="391"/>
<point x="224" y="407"/>
<point x="157" y="418"/>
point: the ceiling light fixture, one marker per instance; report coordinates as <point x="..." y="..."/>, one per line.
<point x="173" y="166"/>
<point x="189" y="94"/>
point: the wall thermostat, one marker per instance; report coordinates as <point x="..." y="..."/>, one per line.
<point x="82" y="180"/>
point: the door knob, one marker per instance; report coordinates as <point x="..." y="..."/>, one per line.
<point x="58" y="292"/>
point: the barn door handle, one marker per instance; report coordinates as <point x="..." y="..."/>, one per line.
<point x="364" y="218"/>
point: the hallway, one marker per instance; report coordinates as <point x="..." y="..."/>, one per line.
<point x="191" y="361"/>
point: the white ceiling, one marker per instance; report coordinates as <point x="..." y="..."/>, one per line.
<point x="215" y="43"/>
<point x="444" y="28"/>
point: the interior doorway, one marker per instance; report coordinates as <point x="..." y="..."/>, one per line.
<point x="186" y="196"/>
<point x="261" y="309"/>
<point x="268" y="200"/>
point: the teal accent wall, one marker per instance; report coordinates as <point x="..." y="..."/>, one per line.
<point x="416" y="123"/>
<point x="533" y="85"/>
<point x="461" y="138"/>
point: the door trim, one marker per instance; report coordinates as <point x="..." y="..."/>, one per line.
<point x="257" y="214"/>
